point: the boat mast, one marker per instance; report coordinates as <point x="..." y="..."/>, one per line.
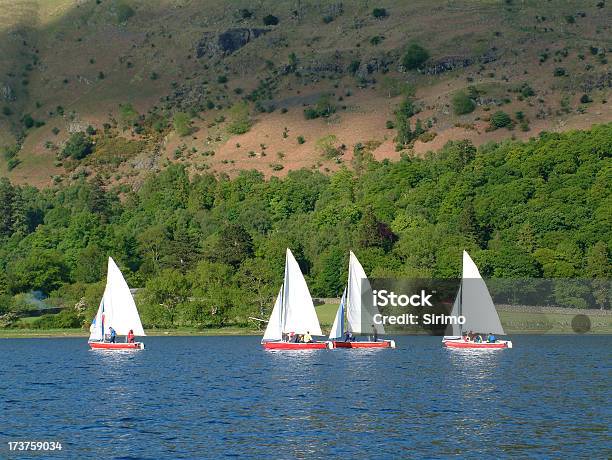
<point x="461" y="306"/>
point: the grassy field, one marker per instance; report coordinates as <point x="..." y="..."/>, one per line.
<point x="513" y="322"/>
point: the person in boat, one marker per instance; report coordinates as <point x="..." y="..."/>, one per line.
<point x="113" y="334"/>
<point x="348" y="336"/>
<point x="307" y="338"/>
<point x="375" y="335"/>
<point x="478" y="339"/>
<point x="130" y="336"/>
<point x="465" y="337"/>
<point x="470" y="336"/>
<point x="491" y="338"/>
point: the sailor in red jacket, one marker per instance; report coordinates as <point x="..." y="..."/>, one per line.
<point x="130" y="336"/>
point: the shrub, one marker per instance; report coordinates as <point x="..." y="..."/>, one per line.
<point x="462" y="104"/>
<point x="414" y="56"/>
<point x="182" y="124"/>
<point x="127" y="115"/>
<point x="526" y="90"/>
<point x="124" y="12"/>
<point x="245" y="13"/>
<point x="62" y="320"/>
<point x="6" y="110"/>
<point x="55" y="130"/>
<point x="326" y="146"/>
<point x="276" y="166"/>
<point x="222" y="79"/>
<point x="379" y="13"/>
<point x="270" y="20"/>
<point x="27" y="121"/>
<point x="77" y="147"/>
<point x="324" y="108"/>
<point x="301" y="140"/>
<point x="559" y="72"/>
<point x="389" y="124"/>
<point x="376" y="40"/>
<point x="12" y="163"/>
<point x="240" y="120"/>
<point x="585" y="99"/>
<point x="354" y="66"/>
<point x="500" y="119"/>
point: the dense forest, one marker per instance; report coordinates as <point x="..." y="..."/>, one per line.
<point x="208" y="250"/>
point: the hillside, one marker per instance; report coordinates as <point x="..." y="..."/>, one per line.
<point x="209" y="251"/>
<point x="276" y="86"/>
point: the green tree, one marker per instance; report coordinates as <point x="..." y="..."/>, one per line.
<point x="462" y="103"/>
<point x="235" y="245"/>
<point x="414" y="57"/>
<point x="78" y="146"/>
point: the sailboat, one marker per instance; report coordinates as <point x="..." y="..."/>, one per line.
<point x="352" y="312"/>
<point x="293" y="313"/>
<point x="474" y="303"/>
<point x="117" y="310"/>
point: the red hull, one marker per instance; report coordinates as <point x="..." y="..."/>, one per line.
<point x="474" y="345"/>
<point x="116" y="346"/>
<point x="379" y="344"/>
<point x="294" y="346"/>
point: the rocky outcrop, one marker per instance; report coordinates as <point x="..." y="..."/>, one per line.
<point x="6" y="92"/>
<point x="598" y="82"/>
<point x="372" y="65"/>
<point x="451" y="63"/>
<point x="227" y="42"/>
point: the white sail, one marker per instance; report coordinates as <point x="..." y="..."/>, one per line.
<point x="118" y="307"/>
<point x="299" y="314"/>
<point x="475" y="301"/>
<point x="337" y="330"/>
<point x="357" y="310"/>
<point x="96" y="330"/>
<point x="274" y="330"/>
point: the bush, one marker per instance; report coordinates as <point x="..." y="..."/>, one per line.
<point x="559" y="72"/>
<point x="182" y="124"/>
<point x="276" y="166"/>
<point x="124" y="12"/>
<point x="128" y="115"/>
<point x="414" y="56"/>
<point x="222" y="79"/>
<point x="270" y="20"/>
<point x="379" y="13"/>
<point x="326" y="145"/>
<point x="240" y="120"/>
<point x="77" y="147"/>
<point x="301" y="140"/>
<point x="389" y="124"/>
<point x="585" y="99"/>
<point x="462" y="104"/>
<point x="63" y="320"/>
<point x="324" y="108"/>
<point x="500" y="120"/>
<point x="27" y="121"/>
<point x="354" y="66"/>
<point x="12" y="163"/>
<point x="6" y="110"/>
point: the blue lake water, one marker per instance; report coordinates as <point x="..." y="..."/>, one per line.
<point x="212" y="397"/>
